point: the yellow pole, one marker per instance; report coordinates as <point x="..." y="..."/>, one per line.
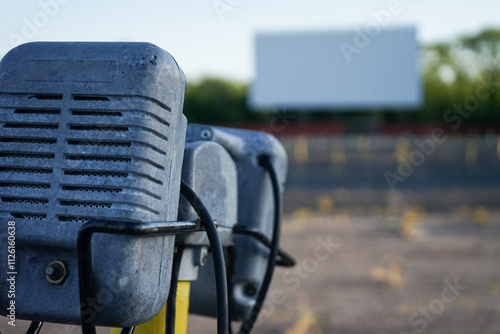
<point x="182" y="307"/>
<point x="471" y="153"/>
<point x="363" y="143"/>
<point x="498" y="146"/>
<point x="402" y="150"/>
<point x="300" y="149"/>
<point x="157" y="324"/>
<point x="337" y="155"/>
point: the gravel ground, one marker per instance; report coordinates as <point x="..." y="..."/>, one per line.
<point x="386" y="273"/>
<point x="406" y="273"/>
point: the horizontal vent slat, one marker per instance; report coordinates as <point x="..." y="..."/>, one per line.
<point x="90" y="98"/>
<point x="110" y="174"/>
<point x="82" y="204"/>
<point x="43" y="126"/>
<point x="22" y="170"/>
<point x="29" y="215"/>
<point x="27" y="155"/>
<point x="24" y="200"/>
<point x="96" y="113"/>
<point x="109" y="143"/>
<point x="45" y="97"/>
<point x="99" y="143"/>
<point x="93" y="114"/>
<point x="40" y="111"/>
<point x="96" y="174"/>
<point x="99" y="128"/>
<point x="97" y="158"/>
<point x="74" y="219"/>
<point x="22" y="140"/>
<point x="25" y="185"/>
<point x="92" y="189"/>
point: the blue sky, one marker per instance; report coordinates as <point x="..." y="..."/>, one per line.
<point x="206" y="41"/>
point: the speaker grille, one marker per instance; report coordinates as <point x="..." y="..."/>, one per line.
<point x="75" y="157"/>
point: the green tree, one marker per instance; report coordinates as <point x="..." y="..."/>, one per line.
<point x="453" y="71"/>
<point x="216" y="101"/>
<point x="485" y="53"/>
<point x="485" y="48"/>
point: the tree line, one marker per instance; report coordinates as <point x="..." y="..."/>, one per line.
<point x="460" y="80"/>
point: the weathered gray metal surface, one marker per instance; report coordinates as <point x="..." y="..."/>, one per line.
<point x="90" y="130"/>
<point x="211" y="172"/>
<point x="255" y="212"/>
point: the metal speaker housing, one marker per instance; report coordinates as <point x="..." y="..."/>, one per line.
<point x="90" y="131"/>
<point x="247" y="261"/>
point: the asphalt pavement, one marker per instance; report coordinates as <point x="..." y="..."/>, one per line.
<point x="364" y="172"/>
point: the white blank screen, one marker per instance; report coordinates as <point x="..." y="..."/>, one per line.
<point x="310" y="70"/>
